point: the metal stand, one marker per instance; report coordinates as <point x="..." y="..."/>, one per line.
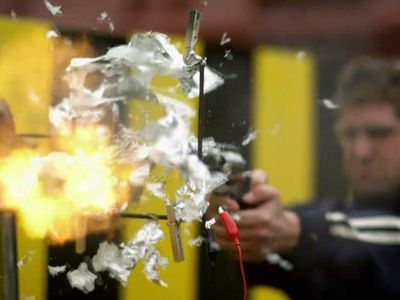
<point x="9" y="256"/>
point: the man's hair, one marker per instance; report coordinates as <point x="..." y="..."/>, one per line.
<point x="369" y="80"/>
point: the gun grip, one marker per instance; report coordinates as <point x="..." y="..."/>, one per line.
<point x="244" y="187"/>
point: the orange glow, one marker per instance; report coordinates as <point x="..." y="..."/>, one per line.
<point x="53" y="194"/>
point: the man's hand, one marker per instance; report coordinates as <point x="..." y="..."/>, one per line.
<point x="263" y="228"/>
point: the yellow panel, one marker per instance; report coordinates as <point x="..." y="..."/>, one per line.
<point x="283" y="114"/>
<point x="26" y="61"/>
<point x="181" y="277"/>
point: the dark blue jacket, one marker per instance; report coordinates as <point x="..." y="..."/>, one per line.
<point x="344" y="252"/>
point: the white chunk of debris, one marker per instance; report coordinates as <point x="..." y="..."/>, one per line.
<point x="25" y="259"/>
<point x="119" y="261"/>
<point x="276" y="129"/>
<point x="300" y="55"/>
<point x="153" y="260"/>
<point x="276" y="259"/>
<point x="225" y="39"/>
<point x="51" y="34"/>
<point x="82" y="279"/>
<point x="196" y="242"/>
<point x="105" y="18"/>
<point x="13" y="14"/>
<point x="54" y="10"/>
<point x="228" y="54"/>
<point x="208" y="223"/>
<point x="156" y="188"/>
<point x="139" y="175"/>
<point x="329" y="104"/>
<point x="54" y="271"/>
<point x="249" y="137"/>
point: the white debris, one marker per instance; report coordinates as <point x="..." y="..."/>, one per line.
<point x="157" y="189"/>
<point x="126" y="72"/>
<point x="26" y="259"/>
<point x="33" y="97"/>
<point x="236" y="217"/>
<point x="139" y="175"/>
<point x="208" y="223"/>
<point x="286" y="265"/>
<point x="273" y="258"/>
<point x="228" y="54"/>
<point x="110" y="258"/>
<point x="51" y="34"/>
<point x="54" y="10"/>
<point x="276" y="259"/>
<point x="224" y="39"/>
<point x="300" y="55"/>
<point x="119" y="261"/>
<point x="276" y="129"/>
<point x="54" y="271"/>
<point x="249" y="137"/>
<point x="82" y="278"/>
<point x="153" y="260"/>
<point x="105" y="18"/>
<point x="197" y="242"/>
<point x="13" y="14"/>
<point x="329" y="104"/>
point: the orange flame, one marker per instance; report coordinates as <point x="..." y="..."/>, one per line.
<point x="53" y="194"/>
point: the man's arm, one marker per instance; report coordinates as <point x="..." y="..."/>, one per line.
<point x="265" y="227"/>
<point x="342" y="248"/>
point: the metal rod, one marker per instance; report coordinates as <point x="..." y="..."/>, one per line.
<point x="143" y="216"/>
<point x="192" y="35"/>
<point x="9" y="256"/>
<point x="34" y="135"/>
<point x="202" y="107"/>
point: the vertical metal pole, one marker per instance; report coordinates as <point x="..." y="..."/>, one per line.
<point x="9" y="256"/>
<point x="202" y="107"/>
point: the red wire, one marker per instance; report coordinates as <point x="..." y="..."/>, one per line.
<point x="244" y="282"/>
<point x="233" y="232"/>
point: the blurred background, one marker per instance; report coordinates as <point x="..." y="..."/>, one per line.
<point x="280" y="59"/>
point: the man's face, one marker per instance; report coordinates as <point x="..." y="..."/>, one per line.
<point x="370" y="138"/>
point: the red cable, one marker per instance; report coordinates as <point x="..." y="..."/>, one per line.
<point x="243" y="273"/>
<point x="233" y="232"/>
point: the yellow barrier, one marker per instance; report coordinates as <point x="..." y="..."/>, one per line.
<point x="283" y="114"/>
<point x="26" y="75"/>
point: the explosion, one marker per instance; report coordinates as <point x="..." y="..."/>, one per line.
<point x="95" y="163"/>
<point x="55" y="194"/>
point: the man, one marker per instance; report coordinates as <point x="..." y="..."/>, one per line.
<point x="338" y="250"/>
